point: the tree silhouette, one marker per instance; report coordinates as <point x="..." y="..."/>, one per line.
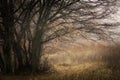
<point x="29" y="24"/>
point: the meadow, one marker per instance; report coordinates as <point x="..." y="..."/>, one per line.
<point x="93" y="62"/>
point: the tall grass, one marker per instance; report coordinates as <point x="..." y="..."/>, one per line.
<point x="91" y="63"/>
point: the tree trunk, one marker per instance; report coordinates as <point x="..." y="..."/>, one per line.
<point x="37" y="47"/>
<point x="18" y="55"/>
<point x="8" y="23"/>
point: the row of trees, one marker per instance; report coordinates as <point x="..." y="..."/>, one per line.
<point x="26" y="25"/>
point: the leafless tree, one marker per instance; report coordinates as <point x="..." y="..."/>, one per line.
<point x="29" y="24"/>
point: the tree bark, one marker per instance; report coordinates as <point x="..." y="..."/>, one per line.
<point x="8" y="23"/>
<point x="37" y="48"/>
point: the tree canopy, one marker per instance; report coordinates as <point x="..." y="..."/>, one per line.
<point x="29" y="24"/>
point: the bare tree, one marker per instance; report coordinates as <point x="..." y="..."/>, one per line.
<point x="32" y="23"/>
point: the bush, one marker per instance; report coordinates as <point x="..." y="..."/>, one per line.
<point x="112" y="58"/>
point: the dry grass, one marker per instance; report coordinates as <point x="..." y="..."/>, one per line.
<point x="90" y="63"/>
<point x="88" y="71"/>
<point x="78" y="55"/>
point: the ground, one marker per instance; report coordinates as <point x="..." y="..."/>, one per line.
<point x="90" y="63"/>
<point x="87" y="71"/>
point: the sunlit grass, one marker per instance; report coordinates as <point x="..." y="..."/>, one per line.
<point x="88" y="71"/>
<point x="90" y="63"/>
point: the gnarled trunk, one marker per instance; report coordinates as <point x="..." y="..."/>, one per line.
<point x="37" y="48"/>
<point x="8" y="23"/>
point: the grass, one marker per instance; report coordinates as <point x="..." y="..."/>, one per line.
<point x="88" y="71"/>
<point x="101" y="63"/>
